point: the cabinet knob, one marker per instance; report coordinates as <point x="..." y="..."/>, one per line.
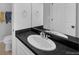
<point x="72" y="26"/>
<point x="37" y="13"/>
<point x="24" y="13"/>
<point x="52" y="19"/>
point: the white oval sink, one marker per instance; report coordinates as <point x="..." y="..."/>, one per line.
<point x="40" y="43"/>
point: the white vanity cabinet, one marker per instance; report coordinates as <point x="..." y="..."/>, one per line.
<point x="61" y="17"/>
<point x="18" y="48"/>
<point x="21" y="49"/>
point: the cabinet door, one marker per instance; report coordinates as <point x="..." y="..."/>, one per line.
<point x="37" y="14"/>
<point x="22" y="49"/>
<point x="46" y="15"/>
<point x="22" y="15"/>
<point x="63" y="18"/>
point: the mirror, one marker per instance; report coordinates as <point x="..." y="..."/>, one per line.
<point x="55" y="17"/>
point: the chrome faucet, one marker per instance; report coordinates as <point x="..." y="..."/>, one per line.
<point x="43" y="35"/>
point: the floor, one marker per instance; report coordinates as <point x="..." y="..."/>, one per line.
<point x="2" y="50"/>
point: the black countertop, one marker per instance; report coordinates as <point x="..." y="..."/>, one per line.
<point x="61" y="49"/>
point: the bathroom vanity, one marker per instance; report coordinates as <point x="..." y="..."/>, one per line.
<point x="28" y="20"/>
<point x="63" y="46"/>
<point x="22" y="49"/>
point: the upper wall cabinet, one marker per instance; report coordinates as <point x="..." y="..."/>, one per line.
<point x="22" y="15"/>
<point x="27" y="15"/>
<point x="37" y="14"/>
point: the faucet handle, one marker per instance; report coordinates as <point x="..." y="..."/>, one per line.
<point x="47" y="36"/>
<point x="42" y="34"/>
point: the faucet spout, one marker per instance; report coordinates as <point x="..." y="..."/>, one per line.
<point x="43" y="35"/>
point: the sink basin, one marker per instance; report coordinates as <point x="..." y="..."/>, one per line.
<point x="41" y="43"/>
<point x="58" y="34"/>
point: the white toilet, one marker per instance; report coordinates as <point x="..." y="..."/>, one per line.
<point x="8" y="43"/>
